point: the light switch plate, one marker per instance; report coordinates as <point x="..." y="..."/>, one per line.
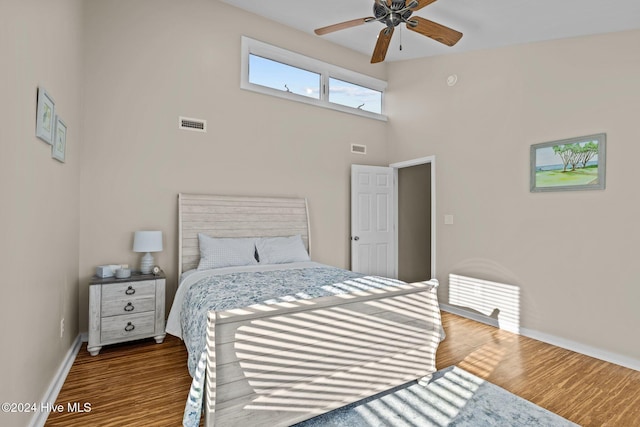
<point x="448" y="219"/>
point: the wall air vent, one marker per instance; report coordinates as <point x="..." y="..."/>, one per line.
<point x="198" y="125"/>
<point x="358" y="149"/>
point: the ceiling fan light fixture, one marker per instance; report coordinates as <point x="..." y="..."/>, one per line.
<point x="380" y="10"/>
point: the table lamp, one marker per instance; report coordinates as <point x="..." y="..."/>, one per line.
<point x="147" y="241"/>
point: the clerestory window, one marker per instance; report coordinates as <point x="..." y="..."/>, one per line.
<point x="275" y="71"/>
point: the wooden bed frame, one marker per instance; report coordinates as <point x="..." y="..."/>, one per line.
<point x="280" y="364"/>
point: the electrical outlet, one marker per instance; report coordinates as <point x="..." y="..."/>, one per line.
<point x="62" y="327"/>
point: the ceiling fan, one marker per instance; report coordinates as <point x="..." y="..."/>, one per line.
<point x="392" y="13"/>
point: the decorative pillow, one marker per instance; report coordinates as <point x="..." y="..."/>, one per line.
<point x="279" y="250"/>
<point x="229" y="252"/>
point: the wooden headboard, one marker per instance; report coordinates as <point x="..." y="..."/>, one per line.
<point x="236" y="216"/>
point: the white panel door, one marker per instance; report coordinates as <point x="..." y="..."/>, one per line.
<point x="372" y="225"/>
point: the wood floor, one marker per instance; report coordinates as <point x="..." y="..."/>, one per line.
<point x="146" y="384"/>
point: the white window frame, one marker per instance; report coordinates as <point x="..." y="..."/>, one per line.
<point x="274" y="53"/>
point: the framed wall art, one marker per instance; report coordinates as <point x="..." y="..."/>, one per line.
<point x="45" y="116"/>
<point x="60" y="140"/>
<point x="569" y="164"/>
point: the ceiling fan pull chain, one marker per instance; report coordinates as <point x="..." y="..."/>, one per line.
<point x="400" y="38"/>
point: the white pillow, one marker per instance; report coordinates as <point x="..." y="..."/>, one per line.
<point x="218" y="253"/>
<point x="280" y="250"/>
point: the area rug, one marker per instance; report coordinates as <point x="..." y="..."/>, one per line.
<point x="453" y="397"/>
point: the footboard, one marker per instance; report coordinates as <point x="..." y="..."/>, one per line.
<point x="281" y="364"/>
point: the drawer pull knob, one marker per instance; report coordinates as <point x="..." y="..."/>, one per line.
<point x="129" y="327"/>
<point x="129" y="307"/>
<point x="130" y="291"/>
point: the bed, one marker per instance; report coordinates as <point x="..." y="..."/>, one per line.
<point x="283" y="339"/>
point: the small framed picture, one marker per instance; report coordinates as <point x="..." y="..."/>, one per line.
<point x="45" y="116"/>
<point x="569" y="164"/>
<point x="60" y="140"/>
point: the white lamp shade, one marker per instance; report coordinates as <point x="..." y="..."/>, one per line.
<point x="147" y="241"/>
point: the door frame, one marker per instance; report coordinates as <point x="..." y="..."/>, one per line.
<point x="406" y="164"/>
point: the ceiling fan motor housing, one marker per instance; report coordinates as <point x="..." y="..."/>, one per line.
<point x="392" y="15"/>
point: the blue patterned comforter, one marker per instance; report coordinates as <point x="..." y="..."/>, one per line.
<point x="242" y="289"/>
<point x="237" y="290"/>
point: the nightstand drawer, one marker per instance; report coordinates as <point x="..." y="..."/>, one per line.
<point x="127" y="327"/>
<point x="132" y="305"/>
<point x="118" y="291"/>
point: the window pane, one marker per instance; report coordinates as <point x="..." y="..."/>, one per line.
<point x="276" y="75"/>
<point x="352" y="95"/>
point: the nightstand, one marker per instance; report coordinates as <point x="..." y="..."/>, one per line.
<point x="125" y="309"/>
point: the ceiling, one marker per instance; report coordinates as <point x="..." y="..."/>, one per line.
<point x="485" y="23"/>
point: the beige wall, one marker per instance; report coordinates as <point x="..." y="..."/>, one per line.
<point x="39" y="45"/>
<point x="150" y="61"/>
<point x="572" y="254"/>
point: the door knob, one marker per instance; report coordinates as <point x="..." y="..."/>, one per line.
<point x="356" y="238"/>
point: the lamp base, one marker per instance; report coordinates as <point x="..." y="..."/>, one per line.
<point x="146" y="264"/>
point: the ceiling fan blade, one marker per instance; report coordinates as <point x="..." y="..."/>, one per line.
<point x="380" y="51"/>
<point x="421" y="4"/>
<point x="343" y="25"/>
<point x="434" y="30"/>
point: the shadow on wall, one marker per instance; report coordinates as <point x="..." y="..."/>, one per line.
<point x="491" y="319"/>
<point x="497" y="304"/>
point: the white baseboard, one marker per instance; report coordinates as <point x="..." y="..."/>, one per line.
<point x="598" y="353"/>
<point x="40" y="417"/>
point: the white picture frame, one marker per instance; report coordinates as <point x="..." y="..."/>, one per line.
<point x="45" y="116"/>
<point x="59" y="146"/>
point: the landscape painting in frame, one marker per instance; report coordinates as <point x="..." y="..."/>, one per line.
<point x="569" y="164"/>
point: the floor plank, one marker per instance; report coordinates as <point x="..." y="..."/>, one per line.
<point x="585" y="390"/>
<point x="133" y="384"/>
<point x="146" y="384"/>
